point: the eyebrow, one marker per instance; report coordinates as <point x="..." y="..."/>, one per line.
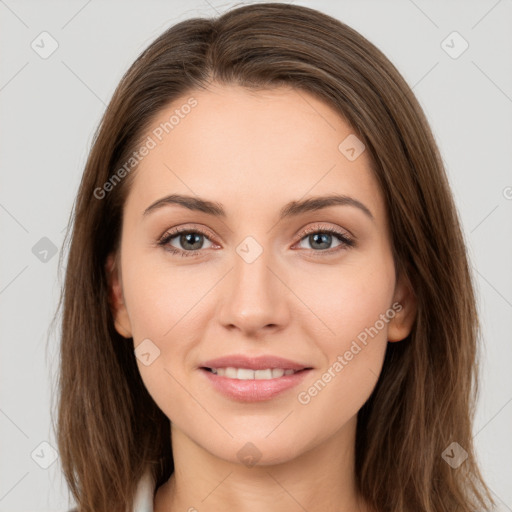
<point x="291" y="209"/>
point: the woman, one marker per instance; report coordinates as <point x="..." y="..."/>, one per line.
<point x="267" y="302"/>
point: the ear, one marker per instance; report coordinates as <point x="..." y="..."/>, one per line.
<point x="400" y="325"/>
<point x="115" y="297"/>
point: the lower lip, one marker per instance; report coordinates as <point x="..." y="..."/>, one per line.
<point x="254" y="390"/>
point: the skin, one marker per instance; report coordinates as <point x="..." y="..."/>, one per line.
<point x="295" y="300"/>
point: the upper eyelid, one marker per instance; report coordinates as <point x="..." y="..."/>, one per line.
<point x="206" y="231"/>
<point x="314" y="228"/>
<point x="173" y="232"/>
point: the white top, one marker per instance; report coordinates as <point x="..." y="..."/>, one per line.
<point x="144" y="494"/>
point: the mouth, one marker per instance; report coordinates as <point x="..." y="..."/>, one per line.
<point x="244" y="378"/>
<point x="259" y="384"/>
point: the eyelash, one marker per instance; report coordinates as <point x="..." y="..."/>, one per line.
<point x="346" y="242"/>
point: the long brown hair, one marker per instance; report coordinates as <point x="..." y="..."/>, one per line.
<point x="109" y="428"/>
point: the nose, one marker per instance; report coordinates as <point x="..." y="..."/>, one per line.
<point x="254" y="297"/>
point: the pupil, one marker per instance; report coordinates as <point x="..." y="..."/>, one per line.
<point x="321" y="238"/>
<point x="186" y="239"/>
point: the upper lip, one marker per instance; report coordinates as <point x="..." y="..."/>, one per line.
<point x="255" y="363"/>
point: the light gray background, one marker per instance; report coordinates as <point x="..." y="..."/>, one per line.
<point x="51" y="107"/>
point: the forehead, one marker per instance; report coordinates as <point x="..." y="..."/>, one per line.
<point x="251" y="148"/>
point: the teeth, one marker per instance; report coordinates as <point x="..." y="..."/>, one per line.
<point x="231" y="373"/>
<point x="248" y="374"/>
<point x="262" y="374"/>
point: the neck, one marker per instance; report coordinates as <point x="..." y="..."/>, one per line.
<point x="321" y="478"/>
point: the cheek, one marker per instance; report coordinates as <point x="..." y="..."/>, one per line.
<point x="349" y="298"/>
<point x="167" y="316"/>
<point x="354" y="306"/>
<point x="160" y="298"/>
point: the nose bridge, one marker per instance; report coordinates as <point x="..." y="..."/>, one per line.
<point x="254" y="298"/>
<point x="251" y="268"/>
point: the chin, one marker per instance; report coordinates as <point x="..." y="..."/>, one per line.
<point x="260" y="449"/>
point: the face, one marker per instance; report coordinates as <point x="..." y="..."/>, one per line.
<point x="254" y="275"/>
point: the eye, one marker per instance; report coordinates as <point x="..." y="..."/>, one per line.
<point x="321" y="239"/>
<point x="191" y="241"/>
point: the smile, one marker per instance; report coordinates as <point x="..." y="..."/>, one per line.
<point x="247" y="385"/>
